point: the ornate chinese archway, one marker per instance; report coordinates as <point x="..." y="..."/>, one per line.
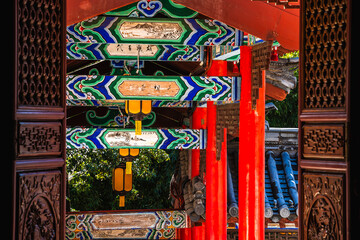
<point x="39" y="130"/>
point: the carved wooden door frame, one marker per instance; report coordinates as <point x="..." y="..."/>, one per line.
<point x="38" y="120"/>
<point x="324" y="119"/>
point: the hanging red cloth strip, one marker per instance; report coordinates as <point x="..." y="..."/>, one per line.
<point x="251" y="155"/>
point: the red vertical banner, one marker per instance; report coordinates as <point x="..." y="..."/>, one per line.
<point x="251" y="155"/>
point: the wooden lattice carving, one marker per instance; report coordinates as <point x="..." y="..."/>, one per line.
<point x="39" y="52"/>
<point x="325" y="67"/>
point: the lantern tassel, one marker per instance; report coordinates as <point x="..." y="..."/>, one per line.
<point x="121" y="201"/>
<point x="138" y="127"/>
<point x="128" y="168"/>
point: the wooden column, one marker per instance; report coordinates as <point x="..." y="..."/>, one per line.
<point x="215" y="183"/>
<point x="327" y="155"/>
<point x="198" y="122"/>
<point x="37" y="96"/>
<point x="251" y="154"/>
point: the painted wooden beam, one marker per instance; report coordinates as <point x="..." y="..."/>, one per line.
<point x="124" y="225"/>
<point x="115" y="138"/>
<point x="183" y="88"/>
<point x="112" y="51"/>
<point x="145" y="8"/>
<point x="91" y="116"/>
<point x="109" y="103"/>
<point x="261" y="19"/>
<point x="108" y="29"/>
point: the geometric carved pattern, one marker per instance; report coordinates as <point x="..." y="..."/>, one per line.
<point x="39" y="56"/>
<point x="323" y="206"/>
<point x="39" y="138"/>
<point x="323" y="141"/>
<point x="260" y="60"/>
<point x="39" y="205"/>
<point x="325" y="52"/>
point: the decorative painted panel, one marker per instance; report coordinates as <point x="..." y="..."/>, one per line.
<point x="183" y="88"/>
<point x="323" y="206"/>
<point x="39" y="205"/>
<point x="105" y="29"/>
<point x="125" y="225"/>
<point x="325" y="53"/>
<point x="115" y="119"/>
<point x="104" y="138"/>
<point x="39" y="138"/>
<point x="324" y="141"/>
<point x="151" y="8"/>
<point x="89" y="102"/>
<point x="99" y="51"/>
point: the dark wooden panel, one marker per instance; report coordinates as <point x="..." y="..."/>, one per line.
<point x="324" y="120"/>
<point x="39" y="138"/>
<point x="38" y="99"/>
<point x="40" y="53"/>
<point x="323" y="206"/>
<point x="39" y="205"/>
<point x="324" y="141"/>
<point x="324" y="55"/>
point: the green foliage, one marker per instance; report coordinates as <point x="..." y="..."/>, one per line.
<point x="287" y="114"/>
<point x="90" y="180"/>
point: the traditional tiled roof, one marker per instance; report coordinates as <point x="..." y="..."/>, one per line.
<point x="281" y="174"/>
<point x="281" y="196"/>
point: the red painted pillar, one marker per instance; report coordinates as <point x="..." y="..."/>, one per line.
<point x="215" y="183"/>
<point x="251" y="156"/>
<point x="198" y="122"/>
<point x="184" y="233"/>
<point x="218" y="68"/>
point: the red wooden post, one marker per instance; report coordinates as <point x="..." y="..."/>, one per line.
<point x="183" y="233"/>
<point x="215" y="183"/>
<point x="198" y="122"/>
<point x="251" y="156"/>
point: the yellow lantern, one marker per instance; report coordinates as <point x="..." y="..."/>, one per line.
<point x="138" y="109"/>
<point x="121" y="182"/>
